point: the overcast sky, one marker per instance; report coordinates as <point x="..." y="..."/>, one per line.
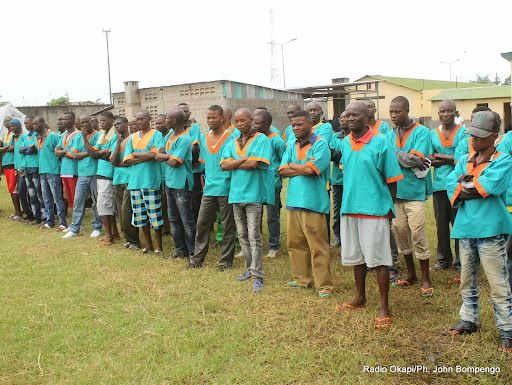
<point x="56" y="47"/>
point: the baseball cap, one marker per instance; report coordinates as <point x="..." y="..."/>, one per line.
<point x="482" y="125"/>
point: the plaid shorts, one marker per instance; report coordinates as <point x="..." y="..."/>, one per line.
<point x="147" y="208"/>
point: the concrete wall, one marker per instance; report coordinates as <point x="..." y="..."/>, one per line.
<point x="52" y="113"/>
<point x="200" y="96"/>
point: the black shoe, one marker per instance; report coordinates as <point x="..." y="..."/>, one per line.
<point x="194" y="266"/>
<point x="176" y="255"/>
<point x="223" y="268"/>
<point x="461" y="328"/>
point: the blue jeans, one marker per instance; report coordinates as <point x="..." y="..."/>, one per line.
<point x="492" y="254"/>
<point x="248" y="223"/>
<point x="274" y="221"/>
<point x="34" y="192"/>
<point x="23" y="193"/>
<point x="181" y="216"/>
<point x="51" y="188"/>
<point x="337" y="193"/>
<point x="84" y="186"/>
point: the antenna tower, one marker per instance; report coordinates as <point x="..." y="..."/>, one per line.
<point x="274" y="71"/>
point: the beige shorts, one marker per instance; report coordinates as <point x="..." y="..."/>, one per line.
<point x="409" y="227"/>
<point x="106" y="202"/>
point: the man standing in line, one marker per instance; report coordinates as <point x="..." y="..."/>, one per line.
<point x="377" y="125"/>
<point x="306" y="162"/>
<point x="215" y="193"/>
<point x="444" y="140"/>
<point x="367" y="156"/>
<point x="101" y="150"/>
<point x="247" y="158"/>
<point x="226" y="122"/>
<point x="194" y="131"/>
<point x="176" y="156"/>
<point x="19" y="139"/>
<point x="145" y="181"/>
<point x="411" y="141"/>
<point x="161" y="125"/>
<point x="120" y="183"/>
<point x="87" y="179"/>
<point x="60" y="127"/>
<point x="262" y="123"/>
<point x="288" y="132"/>
<point x="69" y="166"/>
<point x="49" y="172"/>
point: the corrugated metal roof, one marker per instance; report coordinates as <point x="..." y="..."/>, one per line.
<point x="474" y="93"/>
<point x="423" y="84"/>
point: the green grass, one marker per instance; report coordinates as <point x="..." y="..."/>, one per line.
<point x="74" y="312"/>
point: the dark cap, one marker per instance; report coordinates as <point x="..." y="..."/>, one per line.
<point x="482" y="125"/>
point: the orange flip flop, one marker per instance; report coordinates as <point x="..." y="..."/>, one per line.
<point x="383" y="322"/>
<point x="348" y="306"/>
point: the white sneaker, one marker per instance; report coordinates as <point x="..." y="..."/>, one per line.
<point x="240" y="254"/>
<point x="272" y="253"/>
<point x="95" y="234"/>
<point x="70" y="234"/>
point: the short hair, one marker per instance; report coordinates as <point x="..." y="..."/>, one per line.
<point x="480" y="108"/>
<point x="71" y="113"/>
<point x="497" y="122"/>
<point x="59" y="118"/>
<point x="262" y="108"/>
<point x="267" y="117"/>
<point x="107" y="114"/>
<point x="302" y="113"/>
<point x="294" y="105"/>
<point x="369" y="100"/>
<point x="29" y="117"/>
<point x="161" y="116"/>
<point x="401" y="99"/>
<point x="121" y="118"/>
<point x="40" y="119"/>
<point x="182" y="104"/>
<point x="216" y="107"/>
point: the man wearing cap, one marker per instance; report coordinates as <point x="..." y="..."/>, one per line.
<point x="477" y="187"/>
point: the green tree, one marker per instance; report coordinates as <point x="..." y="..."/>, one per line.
<point x="62" y="101"/>
<point x="482" y="79"/>
<point x="506" y="82"/>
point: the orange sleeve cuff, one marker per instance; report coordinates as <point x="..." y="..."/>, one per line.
<point x="418" y="153"/>
<point x="479" y="188"/>
<point x="195" y="142"/>
<point x="283" y="166"/>
<point x="455" y="194"/>
<point x="259" y="159"/>
<point x="176" y="159"/>
<point x="128" y="157"/>
<point x="201" y="160"/>
<point x="313" y="166"/>
<point x="155" y="150"/>
<point x="394" y="179"/>
<point x="226" y="160"/>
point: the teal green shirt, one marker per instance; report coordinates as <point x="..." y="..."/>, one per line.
<point x="369" y="165"/>
<point x="487" y="216"/>
<point x="122" y="174"/>
<point x="31" y="160"/>
<point x="19" y="159"/>
<point x="180" y="149"/>
<point x="251" y="186"/>
<point x="217" y="182"/>
<point x="49" y="163"/>
<point x="87" y="166"/>
<point x="416" y="141"/>
<point x="106" y="141"/>
<point x="278" y="148"/>
<point x="289" y="136"/>
<point x="8" y="157"/>
<point x="439" y="145"/>
<point x="337" y="168"/>
<point x="382" y="127"/>
<point x="308" y="192"/>
<point x="147" y="175"/>
<point x="68" y="166"/>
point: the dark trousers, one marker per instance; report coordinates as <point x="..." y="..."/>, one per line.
<point x="124" y="212"/>
<point x="207" y="215"/>
<point x="337" y="193"/>
<point x="166" y="229"/>
<point x="197" y="194"/>
<point x="445" y="214"/>
<point x="23" y="194"/>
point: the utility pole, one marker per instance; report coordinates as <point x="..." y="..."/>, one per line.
<point x="450" y="65"/>
<point x="106" y="32"/>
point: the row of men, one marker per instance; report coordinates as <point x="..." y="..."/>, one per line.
<point x="240" y="177"/>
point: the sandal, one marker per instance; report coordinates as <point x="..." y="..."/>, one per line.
<point x="106" y="243"/>
<point x="146" y="250"/>
<point x="401" y="283"/>
<point x="460" y="329"/>
<point x="324" y="295"/>
<point x="505" y="345"/>
<point x="346" y="305"/>
<point x="427" y="293"/>
<point x="382" y="322"/>
<point x="290" y="284"/>
<point x="393" y="277"/>
<point x="157" y="252"/>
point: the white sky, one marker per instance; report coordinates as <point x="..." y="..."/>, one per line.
<point x="56" y="47"/>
